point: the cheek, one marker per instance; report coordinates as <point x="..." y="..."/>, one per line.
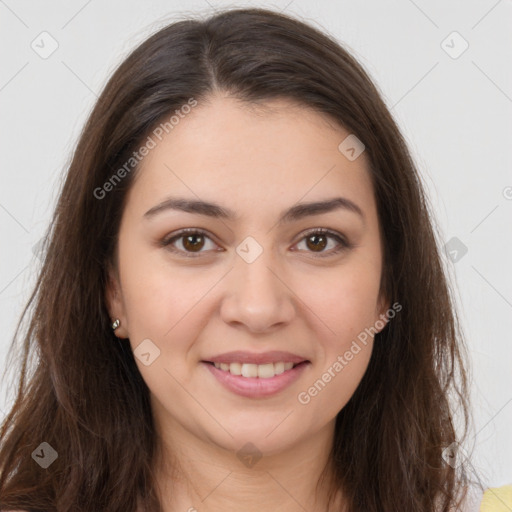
<point x="345" y="298"/>
<point x="161" y="301"/>
<point x="333" y="386"/>
<point x="344" y="349"/>
<point x="346" y="301"/>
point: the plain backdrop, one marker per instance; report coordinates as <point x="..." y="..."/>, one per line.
<point x="451" y="94"/>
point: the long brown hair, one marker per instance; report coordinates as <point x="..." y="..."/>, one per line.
<point x="86" y="397"/>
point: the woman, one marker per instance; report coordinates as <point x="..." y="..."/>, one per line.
<point x="242" y="303"/>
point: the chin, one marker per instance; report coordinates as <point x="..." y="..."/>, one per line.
<point x="258" y="441"/>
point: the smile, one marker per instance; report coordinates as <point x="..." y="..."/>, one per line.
<point x="256" y="380"/>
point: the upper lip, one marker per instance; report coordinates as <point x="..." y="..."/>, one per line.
<point x="240" y="356"/>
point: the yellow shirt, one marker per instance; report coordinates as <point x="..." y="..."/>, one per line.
<point x="497" y="499"/>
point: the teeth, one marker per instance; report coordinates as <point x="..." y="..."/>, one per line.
<point x="278" y="368"/>
<point x="263" y="371"/>
<point x="249" y="370"/>
<point x="235" y="368"/>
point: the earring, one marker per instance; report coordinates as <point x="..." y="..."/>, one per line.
<point x="116" y="324"/>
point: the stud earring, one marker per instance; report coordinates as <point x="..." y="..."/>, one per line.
<point x="116" y="324"/>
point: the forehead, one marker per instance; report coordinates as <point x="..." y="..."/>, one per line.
<point x="277" y="151"/>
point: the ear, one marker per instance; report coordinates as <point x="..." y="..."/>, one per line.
<point x="115" y="303"/>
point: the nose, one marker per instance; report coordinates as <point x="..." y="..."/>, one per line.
<point x="257" y="296"/>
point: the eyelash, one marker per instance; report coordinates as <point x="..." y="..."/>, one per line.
<point x="343" y="243"/>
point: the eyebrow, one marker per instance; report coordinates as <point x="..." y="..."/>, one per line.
<point x="297" y="212"/>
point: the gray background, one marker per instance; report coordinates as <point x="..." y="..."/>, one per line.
<point x="454" y="110"/>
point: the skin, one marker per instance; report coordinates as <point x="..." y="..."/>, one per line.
<point x="257" y="162"/>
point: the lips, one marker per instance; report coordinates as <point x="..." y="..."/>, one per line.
<point x="256" y="375"/>
<point x="257" y="387"/>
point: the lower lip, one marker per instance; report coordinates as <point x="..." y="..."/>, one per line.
<point x="255" y="387"/>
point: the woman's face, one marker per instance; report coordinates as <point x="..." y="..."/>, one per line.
<point x="257" y="287"/>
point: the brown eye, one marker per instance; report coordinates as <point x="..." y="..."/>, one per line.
<point x="317" y="242"/>
<point x="193" y="242"/>
<point x="189" y="243"/>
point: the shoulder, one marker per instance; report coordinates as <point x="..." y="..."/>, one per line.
<point x="496" y="499"/>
